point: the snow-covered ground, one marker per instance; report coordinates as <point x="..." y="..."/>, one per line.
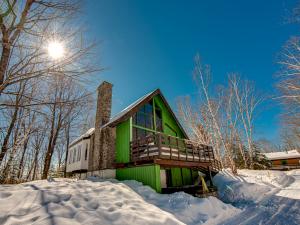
<point x="266" y="197"/>
<point x="66" y="201"/>
<point x="252" y="197"/>
<point x="186" y="208"/>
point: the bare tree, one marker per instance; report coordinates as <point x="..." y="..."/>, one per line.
<point x="289" y="86"/>
<point x="25" y="30"/>
<point x="69" y="100"/>
<point x="246" y="101"/>
<point x="27" y="67"/>
<point x="223" y="118"/>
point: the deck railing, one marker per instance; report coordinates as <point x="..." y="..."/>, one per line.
<point x="163" y="146"/>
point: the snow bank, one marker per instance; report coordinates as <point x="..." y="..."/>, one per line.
<point x="186" y="208"/>
<point x="250" y="186"/>
<point x="95" y="201"/>
<point x="66" y="201"/>
<point x="265" y="197"/>
<point x="292" y="191"/>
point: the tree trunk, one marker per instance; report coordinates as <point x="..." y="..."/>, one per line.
<point x="67" y="150"/>
<point x="20" y="171"/>
<point x="4" y="58"/>
<point x="4" y="147"/>
<point x="52" y="142"/>
<point x="35" y="164"/>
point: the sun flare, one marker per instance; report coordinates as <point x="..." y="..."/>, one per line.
<point x="55" y="50"/>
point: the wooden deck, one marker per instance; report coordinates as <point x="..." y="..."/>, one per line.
<point x="172" y="151"/>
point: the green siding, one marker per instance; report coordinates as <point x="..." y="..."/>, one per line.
<point x="148" y="175"/>
<point x="176" y="177"/>
<point x="168" y="119"/>
<point x="123" y="132"/>
<point x="182" y="176"/>
<point x="187" y="176"/>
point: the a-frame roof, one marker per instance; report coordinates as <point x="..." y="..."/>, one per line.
<point x="134" y="107"/>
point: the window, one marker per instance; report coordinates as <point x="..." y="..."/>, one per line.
<point x="283" y="162"/>
<point x="86" y="151"/>
<point x="145" y="123"/>
<point x="70" y="156"/>
<point x="144" y="117"/>
<point x="74" y="155"/>
<point x="138" y="133"/>
<point x="79" y="153"/>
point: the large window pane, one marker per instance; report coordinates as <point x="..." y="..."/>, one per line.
<point x="140" y="119"/>
<point x="138" y="133"/>
<point x="144" y="117"/>
<point x="141" y="133"/>
<point x="148" y="108"/>
<point x="149" y="121"/>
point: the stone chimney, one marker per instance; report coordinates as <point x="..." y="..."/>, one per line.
<point x="103" y="150"/>
<point x="103" y="112"/>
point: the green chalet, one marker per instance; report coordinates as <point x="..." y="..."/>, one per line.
<point x="144" y="142"/>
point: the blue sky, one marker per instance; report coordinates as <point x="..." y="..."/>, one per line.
<point x="151" y="44"/>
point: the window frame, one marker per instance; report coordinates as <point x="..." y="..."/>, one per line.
<point x="86" y="151"/>
<point x="142" y="110"/>
<point x="79" y="153"/>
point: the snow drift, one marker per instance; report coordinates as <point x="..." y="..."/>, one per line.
<point x="250" y="186"/>
<point x="77" y="202"/>
<point x="67" y="201"/>
<point x="186" y="208"/>
<point x="265" y="197"/>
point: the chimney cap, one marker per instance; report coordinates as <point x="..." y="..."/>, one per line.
<point x="105" y="83"/>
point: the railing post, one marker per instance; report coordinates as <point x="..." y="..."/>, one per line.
<point x="158" y="135"/>
<point x="169" y="140"/>
<point x="177" y="148"/>
<point x="186" y="154"/>
<point x="193" y="152"/>
<point x="213" y="154"/>
<point x="147" y="146"/>
<point x="138" y="149"/>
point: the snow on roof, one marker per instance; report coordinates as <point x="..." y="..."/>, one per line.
<point x="283" y="155"/>
<point x="85" y="135"/>
<point x="128" y="108"/>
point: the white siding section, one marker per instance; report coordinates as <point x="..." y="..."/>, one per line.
<point x="78" y="156"/>
<point x="104" y="174"/>
<point x="163" y="178"/>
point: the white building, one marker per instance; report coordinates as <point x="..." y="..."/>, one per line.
<point x="78" y="154"/>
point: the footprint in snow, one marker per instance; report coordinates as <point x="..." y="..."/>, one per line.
<point x="119" y="204"/>
<point x="4" y="195"/>
<point x="93" y="205"/>
<point x="111" y="209"/>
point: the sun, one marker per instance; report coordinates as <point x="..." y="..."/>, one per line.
<point x="55" y="50"/>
